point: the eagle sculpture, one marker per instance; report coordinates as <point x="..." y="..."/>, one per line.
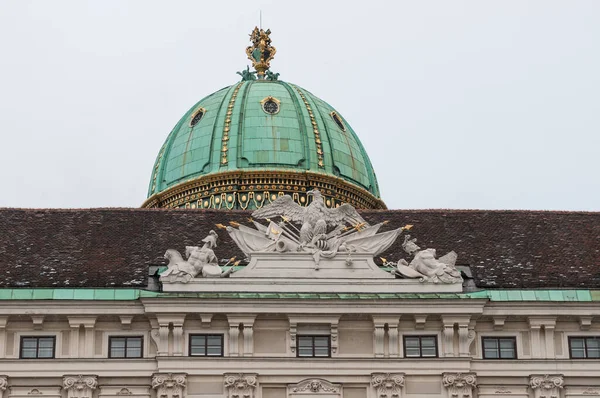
<point x="314" y="218"/>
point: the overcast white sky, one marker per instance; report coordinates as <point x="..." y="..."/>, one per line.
<point x="460" y="104"/>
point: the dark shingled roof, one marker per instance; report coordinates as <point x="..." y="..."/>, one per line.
<point x="114" y="247"/>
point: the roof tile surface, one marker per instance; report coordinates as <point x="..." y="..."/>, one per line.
<point x="114" y="247"/>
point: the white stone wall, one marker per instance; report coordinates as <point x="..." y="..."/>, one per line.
<point x="260" y="361"/>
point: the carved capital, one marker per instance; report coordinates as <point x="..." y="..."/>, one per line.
<point x="546" y="386"/>
<point x="169" y="385"/>
<point x="388" y="385"/>
<point x="460" y="385"/>
<point x="313" y="386"/>
<point x="241" y="385"/>
<point x="80" y="386"/>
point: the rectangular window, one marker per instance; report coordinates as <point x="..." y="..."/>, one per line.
<point x="420" y="347"/>
<point x="584" y="347"/>
<point x="499" y="347"/>
<point x="206" y="345"/>
<point x="313" y="346"/>
<point x="125" y="346"/>
<point x="37" y="347"/>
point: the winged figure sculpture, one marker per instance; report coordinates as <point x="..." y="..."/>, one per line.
<point x="314" y="218"/>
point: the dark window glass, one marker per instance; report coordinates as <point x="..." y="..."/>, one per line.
<point x="584" y="347"/>
<point x="206" y="345"/>
<point x="37" y="347"/>
<point x="197" y="116"/>
<point x="271" y="107"/>
<point x="338" y="121"/>
<point x="499" y="347"/>
<point x="420" y="347"/>
<point x="125" y="347"/>
<point x="314" y="346"/>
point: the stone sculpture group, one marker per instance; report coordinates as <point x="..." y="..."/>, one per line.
<point x="323" y="233"/>
<point x="201" y="261"/>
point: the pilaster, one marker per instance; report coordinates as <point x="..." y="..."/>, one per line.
<point x="393" y="340"/>
<point x="80" y="386"/>
<point x="88" y="323"/>
<point x="379" y="343"/>
<point x="248" y="339"/>
<point x="164" y="322"/>
<point x="234" y="344"/>
<point x="334" y="337"/>
<point x="178" y="338"/>
<point x="463" y="340"/>
<point x="535" y="326"/>
<point x="3" y="322"/>
<point x="293" y="333"/>
<point x="169" y="385"/>
<point x="379" y="335"/>
<point x="247" y="329"/>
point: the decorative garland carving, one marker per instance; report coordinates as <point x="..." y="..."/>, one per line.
<point x="311" y="386"/>
<point x="590" y="391"/>
<point x="169" y="385"/>
<point x="388" y="385"/>
<point x="460" y="385"/>
<point x="240" y="385"/>
<point x="80" y="386"/>
<point x="253" y="189"/>
<point x="546" y="386"/>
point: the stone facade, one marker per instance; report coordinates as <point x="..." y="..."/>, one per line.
<point x="368" y="356"/>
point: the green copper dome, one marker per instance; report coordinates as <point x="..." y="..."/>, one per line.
<point x="258" y="136"/>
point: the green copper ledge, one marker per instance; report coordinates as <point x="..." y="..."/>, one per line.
<point x="135" y="294"/>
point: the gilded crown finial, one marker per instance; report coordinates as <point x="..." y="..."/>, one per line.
<point x="261" y="52"/>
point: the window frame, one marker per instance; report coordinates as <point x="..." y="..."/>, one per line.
<point x="312" y="336"/>
<point x="126" y="337"/>
<point x="420" y="336"/>
<point x="498" y="338"/>
<point x="206" y="335"/>
<point x="37" y="348"/>
<point x="585" y="349"/>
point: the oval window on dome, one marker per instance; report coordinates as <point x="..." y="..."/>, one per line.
<point x="197" y="116"/>
<point x="270" y="105"/>
<point x="338" y="120"/>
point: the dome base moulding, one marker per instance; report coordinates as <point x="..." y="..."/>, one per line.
<point x="253" y="189"/>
